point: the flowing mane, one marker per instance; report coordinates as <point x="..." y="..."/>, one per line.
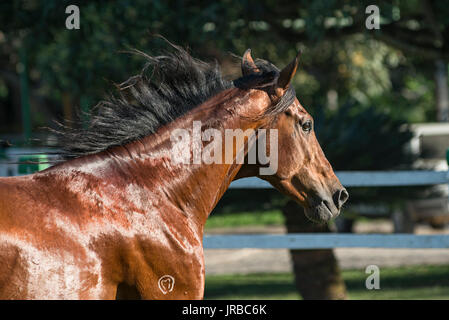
<point x="168" y="86"/>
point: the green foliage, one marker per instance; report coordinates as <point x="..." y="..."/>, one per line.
<point x="355" y="137"/>
<point x="84" y="62"/>
<point x="339" y="53"/>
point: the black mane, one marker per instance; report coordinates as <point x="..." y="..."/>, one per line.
<point x="169" y="86"/>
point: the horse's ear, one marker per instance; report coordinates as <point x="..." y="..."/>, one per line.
<point x="248" y="65"/>
<point x="286" y="75"/>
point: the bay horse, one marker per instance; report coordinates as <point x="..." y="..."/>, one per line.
<point x="117" y="218"/>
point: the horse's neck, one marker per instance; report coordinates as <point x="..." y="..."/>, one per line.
<point x="193" y="188"/>
<point x="196" y="188"/>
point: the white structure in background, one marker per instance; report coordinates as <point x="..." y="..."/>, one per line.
<point x="431" y="142"/>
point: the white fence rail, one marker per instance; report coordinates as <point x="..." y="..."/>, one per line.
<point x="328" y="241"/>
<point x="366" y="179"/>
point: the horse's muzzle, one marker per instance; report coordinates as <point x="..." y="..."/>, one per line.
<point x="323" y="208"/>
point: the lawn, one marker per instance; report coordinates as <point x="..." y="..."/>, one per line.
<point x="248" y="208"/>
<point x="414" y="282"/>
<point x="253" y="218"/>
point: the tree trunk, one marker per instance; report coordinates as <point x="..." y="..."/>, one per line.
<point x="317" y="274"/>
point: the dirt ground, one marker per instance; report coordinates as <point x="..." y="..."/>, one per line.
<point x="224" y="261"/>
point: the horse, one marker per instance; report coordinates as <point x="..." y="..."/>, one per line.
<point x="118" y="217"/>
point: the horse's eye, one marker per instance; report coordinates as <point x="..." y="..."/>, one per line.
<point x="307" y="126"/>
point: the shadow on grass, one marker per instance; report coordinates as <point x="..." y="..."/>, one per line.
<point x="252" y="285"/>
<point x="417" y="282"/>
<point x="406" y="277"/>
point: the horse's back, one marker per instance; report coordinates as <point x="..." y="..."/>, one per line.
<point x="37" y="254"/>
<point x="15" y="199"/>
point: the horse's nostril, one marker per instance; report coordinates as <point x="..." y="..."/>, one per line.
<point x="340" y="198"/>
<point x="344" y="195"/>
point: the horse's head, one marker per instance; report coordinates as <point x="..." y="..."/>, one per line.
<point x="302" y="170"/>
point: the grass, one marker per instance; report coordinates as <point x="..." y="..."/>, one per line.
<point x="412" y="282"/>
<point x="253" y="218"/>
<point x="248" y="208"/>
